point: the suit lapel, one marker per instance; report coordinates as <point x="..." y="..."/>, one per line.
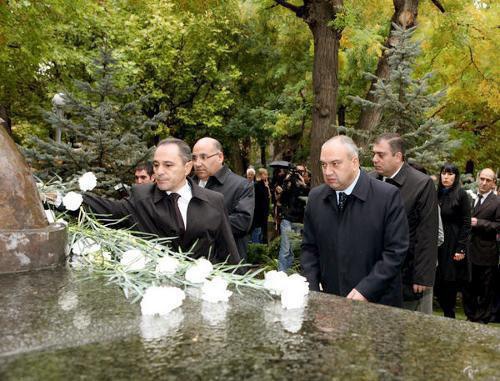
<point x="163" y="221"/>
<point x="484" y="204"/>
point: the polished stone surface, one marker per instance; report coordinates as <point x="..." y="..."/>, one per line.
<point x="55" y="327"/>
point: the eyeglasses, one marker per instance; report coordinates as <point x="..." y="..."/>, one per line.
<point x="203" y="156"/>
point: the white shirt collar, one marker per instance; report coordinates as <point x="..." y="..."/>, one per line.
<point x="184" y="191"/>
<point x="350" y="188"/>
<point x="484" y="194"/>
<point x="395" y="173"/>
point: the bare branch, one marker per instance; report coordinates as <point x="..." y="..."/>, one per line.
<point x="438" y="5"/>
<point x="294" y="8"/>
<point x="471" y="55"/>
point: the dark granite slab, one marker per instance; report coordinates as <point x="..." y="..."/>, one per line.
<point x="54" y="327"/>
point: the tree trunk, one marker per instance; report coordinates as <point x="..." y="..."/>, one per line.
<point x="263" y="161"/>
<point x="405" y="14"/>
<point x="318" y="15"/>
<point x="5" y="120"/>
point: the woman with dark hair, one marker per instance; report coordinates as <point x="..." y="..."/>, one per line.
<point x="453" y="270"/>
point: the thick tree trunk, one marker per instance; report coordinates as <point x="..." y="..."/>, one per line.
<point x="325" y="80"/>
<point x="318" y="14"/>
<point x="405" y="14"/>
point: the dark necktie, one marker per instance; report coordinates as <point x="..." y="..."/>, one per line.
<point x="478" y="204"/>
<point x="174" y="211"/>
<point x="342" y="200"/>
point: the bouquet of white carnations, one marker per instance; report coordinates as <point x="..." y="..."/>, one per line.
<point x="146" y="268"/>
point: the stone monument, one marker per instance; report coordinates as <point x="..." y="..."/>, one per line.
<point x="27" y="240"/>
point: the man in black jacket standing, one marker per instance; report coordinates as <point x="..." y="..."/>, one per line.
<point x="485" y="223"/>
<point x="211" y="173"/>
<point x="174" y="207"/>
<point x="420" y="201"/>
<point x="355" y="230"/>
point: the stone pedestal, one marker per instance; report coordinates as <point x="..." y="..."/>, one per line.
<point x="32" y="249"/>
<point x="27" y="241"/>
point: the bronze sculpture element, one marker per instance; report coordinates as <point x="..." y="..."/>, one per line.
<point x="27" y="240"/>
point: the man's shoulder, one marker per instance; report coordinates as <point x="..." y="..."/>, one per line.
<point x="493" y="199"/>
<point x="379" y="186"/>
<point x="415" y="177"/>
<point x="237" y="179"/>
<point x="319" y="191"/>
<point x="373" y="180"/>
<point x="208" y="195"/>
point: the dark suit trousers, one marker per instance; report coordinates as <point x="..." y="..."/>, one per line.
<point x="479" y="293"/>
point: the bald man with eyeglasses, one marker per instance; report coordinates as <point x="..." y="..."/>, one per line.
<point x="239" y="200"/>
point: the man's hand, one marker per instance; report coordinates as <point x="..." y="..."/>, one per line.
<point x="356" y="295"/>
<point x="418" y="288"/>
<point x="473" y="221"/>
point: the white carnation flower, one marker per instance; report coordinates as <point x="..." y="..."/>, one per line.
<point x="61" y="221"/>
<point x="133" y="260"/>
<point x="161" y="300"/>
<point x="72" y="200"/>
<point x="106" y="255"/>
<point x="199" y="271"/>
<point x="294" y="293"/>
<point x="51" y="217"/>
<point x="215" y="290"/>
<point x="85" y="246"/>
<point x="274" y="281"/>
<point x="87" y="181"/>
<point x="167" y="265"/>
<point x="77" y="262"/>
<point x="59" y="199"/>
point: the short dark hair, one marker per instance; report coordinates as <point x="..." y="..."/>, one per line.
<point x="184" y="149"/>
<point x="146" y="166"/>
<point x="395" y="141"/>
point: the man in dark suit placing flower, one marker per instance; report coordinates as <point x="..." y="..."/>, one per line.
<point x="175" y="206"/>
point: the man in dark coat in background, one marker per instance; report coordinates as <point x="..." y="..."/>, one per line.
<point x="355" y="230"/>
<point x="174" y="207"/>
<point x="420" y="200"/>
<point x="485" y="224"/>
<point x="238" y="192"/>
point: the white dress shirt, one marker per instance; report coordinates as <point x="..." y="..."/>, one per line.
<point x="349" y="189"/>
<point x="482" y="199"/>
<point x="183" y="201"/>
<point x="394" y="175"/>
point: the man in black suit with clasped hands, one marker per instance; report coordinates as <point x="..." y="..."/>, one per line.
<point x="355" y="230"/>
